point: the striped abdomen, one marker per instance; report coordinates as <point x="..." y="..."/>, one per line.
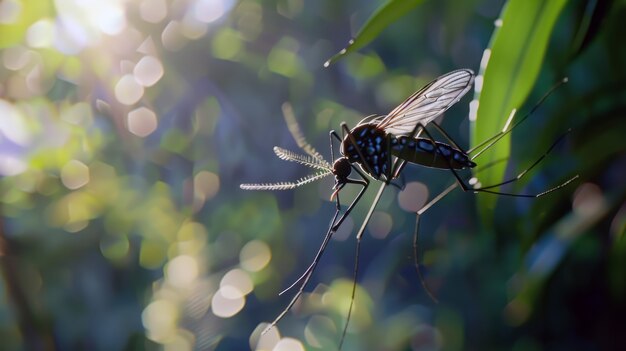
<point x="429" y="153"/>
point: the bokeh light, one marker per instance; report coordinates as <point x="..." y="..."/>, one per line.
<point x="266" y="341"/>
<point x="74" y="174"/>
<point x="380" y="224"/>
<point x="160" y="318"/>
<point x="128" y="91"/>
<point x="288" y="344"/>
<point x="254" y="256"/>
<point x="142" y="122"/>
<point x="587" y="198"/>
<point x="182" y="271"/>
<point x="413" y="196"/>
<point x="237" y="279"/>
<point x="227" y="302"/>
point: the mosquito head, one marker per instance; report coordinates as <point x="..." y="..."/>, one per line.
<point x="341" y="170"/>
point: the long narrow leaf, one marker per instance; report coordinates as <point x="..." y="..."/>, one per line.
<point x="509" y="69"/>
<point x="381" y="19"/>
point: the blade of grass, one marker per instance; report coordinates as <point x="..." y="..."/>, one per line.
<point x="381" y="19"/>
<point x="509" y="70"/>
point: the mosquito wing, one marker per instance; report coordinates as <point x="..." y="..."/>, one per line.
<point x="428" y="103"/>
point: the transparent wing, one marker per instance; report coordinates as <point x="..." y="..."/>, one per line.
<point x="428" y="103"/>
<point x="371" y="119"/>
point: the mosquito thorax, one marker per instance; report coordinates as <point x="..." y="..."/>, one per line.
<point x="366" y="145"/>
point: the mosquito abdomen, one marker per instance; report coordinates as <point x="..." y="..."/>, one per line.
<point x="429" y="153"/>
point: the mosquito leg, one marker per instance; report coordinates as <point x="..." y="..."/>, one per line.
<point x="312" y="265"/>
<point x="356" y="262"/>
<point x="446" y="135"/>
<point x="416" y="237"/>
<point x="335" y="224"/>
<point x="354" y="279"/>
<point x="306" y="276"/>
<point x="485" y="189"/>
<point x="358" y="249"/>
<point x="332" y="223"/>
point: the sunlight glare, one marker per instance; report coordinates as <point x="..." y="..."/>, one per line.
<point x="80" y="24"/>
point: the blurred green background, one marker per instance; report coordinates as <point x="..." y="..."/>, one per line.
<point x="127" y="126"/>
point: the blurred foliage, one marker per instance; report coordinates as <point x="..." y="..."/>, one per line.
<point x="127" y="126"/>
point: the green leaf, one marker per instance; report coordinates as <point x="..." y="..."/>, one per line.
<point x="381" y="19"/>
<point x="510" y="68"/>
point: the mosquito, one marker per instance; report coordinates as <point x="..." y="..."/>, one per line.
<point x="381" y="146"/>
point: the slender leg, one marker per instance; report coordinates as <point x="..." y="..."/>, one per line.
<point x="521" y="174"/>
<point x="445" y="135"/>
<point x="485" y="189"/>
<point x="333" y="227"/>
<point x="331" y="230"/>
<point x="415" y="237"/>
<point x="331" y="134"/>
<point x="356" y="259"/>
